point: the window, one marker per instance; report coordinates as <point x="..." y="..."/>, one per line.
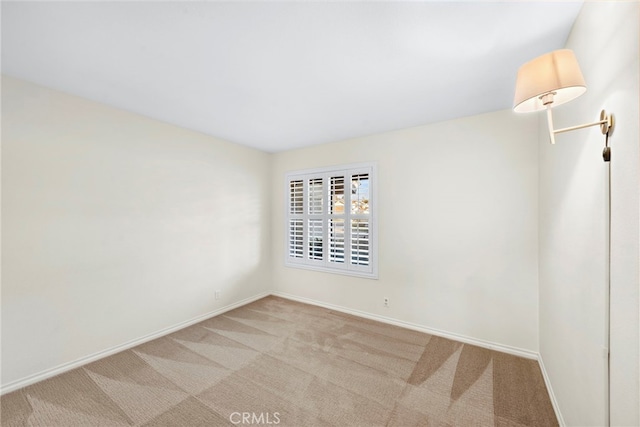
<point x="330" y="220"/>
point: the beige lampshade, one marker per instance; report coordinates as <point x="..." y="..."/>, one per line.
<point x="557" y="71"/>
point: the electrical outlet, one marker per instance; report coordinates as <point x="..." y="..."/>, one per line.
<point x="386" y="302"/>
<point x="217" y="294"/>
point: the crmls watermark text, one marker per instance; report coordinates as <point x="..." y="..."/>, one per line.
<point x="253" y="418"/>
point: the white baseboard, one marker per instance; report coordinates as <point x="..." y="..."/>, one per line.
<point x="48" y="373"/>
<point x="468" y="340"/>
<point x="552" y="396"/>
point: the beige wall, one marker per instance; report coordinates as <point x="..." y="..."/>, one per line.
<point x="457" y="222"/>
<point x="115" y="226"/>
<point x="574" y="227"/>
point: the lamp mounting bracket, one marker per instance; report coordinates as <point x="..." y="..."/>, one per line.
<point x="606" y="126"/>
<point x="607" y="122"/>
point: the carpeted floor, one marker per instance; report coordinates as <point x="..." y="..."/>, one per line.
<point x="279" y="362"/>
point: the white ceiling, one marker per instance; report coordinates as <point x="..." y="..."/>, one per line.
<point x="281" y="75"/>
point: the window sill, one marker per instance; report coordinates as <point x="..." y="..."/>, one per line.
<point x="353" y="273"/>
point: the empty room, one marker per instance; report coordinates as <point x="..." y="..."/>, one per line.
<point x="306" y="213"/>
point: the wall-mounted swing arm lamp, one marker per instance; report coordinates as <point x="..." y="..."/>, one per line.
<point x="546" y="82"/>
<point x="551" y="80"/>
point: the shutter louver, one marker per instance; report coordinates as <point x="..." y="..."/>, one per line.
<point x="296" y="198"/>
<point x="315" y="239"/>
<point x="360" y="242"/>
<point x="337" y="195"/>
<point x="315" y="196"/>
<point x="360" y="194"/>
<point x="296" y="238"/>
<point x="336" y="240"/>
<point x="296" y="226"/>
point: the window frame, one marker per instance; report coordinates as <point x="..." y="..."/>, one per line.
<point x="327" y="263"/>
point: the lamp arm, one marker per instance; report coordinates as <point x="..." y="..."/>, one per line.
<point x="606" y="124"/>
<point x="552" y="133"/>
<point x="586" y="125"/>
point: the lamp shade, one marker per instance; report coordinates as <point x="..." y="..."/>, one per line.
<point x="556" y="72"/>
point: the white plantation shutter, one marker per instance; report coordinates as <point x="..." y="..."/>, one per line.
<point x="296" y="224"/>
<point x="296" y="206"/>
<point x="315" y="239"/>
<point x="315" y="201"/>
<point x="316" y="196"/>
<point x="360" y="241"/>
<point x="296" y="239"/>
<point x="336" y="240"/>
<point x="336" y="219"/>
<point x="330" y="220"/>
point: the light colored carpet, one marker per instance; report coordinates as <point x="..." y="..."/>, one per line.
<point x="279" y="362"/>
